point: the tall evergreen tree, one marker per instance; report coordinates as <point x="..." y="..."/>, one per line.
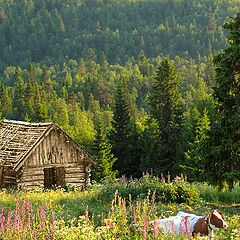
<point x="5" y="99"/>
<point x="165" y="107"/>
<point x="103" y="156"/>
<point x="19" y="95"/>
<point x="46" y="80"/>
<point x="222" y="150"/>
<point x="194" y="156"/>
<point x="121" y="127"/>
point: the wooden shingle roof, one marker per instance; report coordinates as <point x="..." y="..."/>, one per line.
<point x="18" y="138"/>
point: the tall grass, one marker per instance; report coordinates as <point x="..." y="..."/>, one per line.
<point x="100" y="213"/>
<point x="210" y="194"/>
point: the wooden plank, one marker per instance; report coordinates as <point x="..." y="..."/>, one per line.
<point x="30" y="180"/>
<point x="74" y="169"/>
<point x="74" y="175"/>
<point x="33" y="172"/>
<point x="31" y="185"/>
<point x="74" y="180"/>
<point x="53" y="165"/>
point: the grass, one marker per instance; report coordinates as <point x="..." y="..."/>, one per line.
<point x="107" y="210"/>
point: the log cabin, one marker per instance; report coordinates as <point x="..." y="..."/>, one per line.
<point x="42" y="155"/>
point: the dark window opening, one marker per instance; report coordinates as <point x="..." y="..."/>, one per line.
<point x="54" y="177"/>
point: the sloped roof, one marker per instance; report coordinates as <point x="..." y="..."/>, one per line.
<point x="18" y="138"/>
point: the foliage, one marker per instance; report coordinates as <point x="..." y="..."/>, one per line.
<point x="178" y="190"/>
<point x="52" y="31"/>
<point x="209" y="194"/>
<point x="221" y="156"/>
<point x="103" y="156"/>
<point x="73" y="214"/>
<point x="194" y="155"/>
<point x="165" y="107"/>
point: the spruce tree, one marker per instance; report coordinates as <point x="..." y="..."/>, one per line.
<point x="120" y="135"/>
<point x="165" y="107"/>
<point x="19" y="95"/>
<point x="194" y="156"/>
<point x="5" y="99"/>
<point x="103" y="156"/>
<point x="222" y="150"/>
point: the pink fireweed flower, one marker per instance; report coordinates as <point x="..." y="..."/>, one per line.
<point x="1" y="220"/>
<point x="173" y="227"/>
<point x="187" y="226"/>
<point x="156" y="229"/>
<point x="134" y="216"/>
<point x="145" y="228"/>
<point x="9" y="220"/>
<point x="3" y="223"/>
<point x="181" y="229"/>
<point x="23" y="209"/>
<point x="53" y="223"/>
<point x="102" y="219"/>
<point x="145" y="231"/>
<point x="42" y="217"/>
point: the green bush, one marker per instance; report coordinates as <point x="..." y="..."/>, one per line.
<point x="210" y="194"/>
<point x="176" y="191"/>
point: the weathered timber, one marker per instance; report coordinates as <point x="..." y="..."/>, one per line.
<point x="41" y="154"/>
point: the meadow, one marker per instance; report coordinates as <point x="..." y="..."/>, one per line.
<point x="108" y="209"/>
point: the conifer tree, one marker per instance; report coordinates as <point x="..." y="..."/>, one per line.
<point x="46" y="80"/>
<point x="103" y="156"/>
<point x="6" y="105"/>
<point x="222" y="150"/>
<point x="19" y="95"/>
<point x="194" y="155"/>
<point x="165" y="107"/>
<point x="120" y="133"/>
<point x="143" y="64"/>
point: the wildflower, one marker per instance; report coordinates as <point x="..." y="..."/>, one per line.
<point x="102" y="219"/>
<point x="173" y="227"/>
<point x="86" y="213"/>
<point x="187" y="226"/>
<point x="134" y="216"/>
<point x="156" y="229"/>
<point x="9" y="222"/>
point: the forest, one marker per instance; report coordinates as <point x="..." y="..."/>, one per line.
<point x="141" y="84"/>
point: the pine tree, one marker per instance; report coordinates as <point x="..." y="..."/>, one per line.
<point x="103" y="64"/>
<point x="120" y="132"/>
<point x="103" y="156"/>
<point x="19" y="95"/>
<point x="46" y="80"/>
<point x="5" y="99"/>
<point x="194" y="156"/>
<point x="165" y="107"/>
<point x="222" y="150"/>
<point x="143" y="64"/>
<point x="150" y="146"/>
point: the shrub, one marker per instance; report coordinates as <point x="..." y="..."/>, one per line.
<point x="176" y="191"/>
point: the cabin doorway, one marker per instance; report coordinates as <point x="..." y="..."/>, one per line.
<point x="54" y="177"/>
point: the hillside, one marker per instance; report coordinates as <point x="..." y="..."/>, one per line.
<point x="53" y="31"/>
<point x="99" y="70"/>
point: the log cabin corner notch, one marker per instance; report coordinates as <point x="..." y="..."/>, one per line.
<point x="41" y="155"/>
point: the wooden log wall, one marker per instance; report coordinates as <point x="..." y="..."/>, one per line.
<point x="55" y="151"/>
<point x="30" y="178"/>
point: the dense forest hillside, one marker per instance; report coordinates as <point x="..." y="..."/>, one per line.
<point x="131" y="81"/>
<point x="53" y="31"/>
